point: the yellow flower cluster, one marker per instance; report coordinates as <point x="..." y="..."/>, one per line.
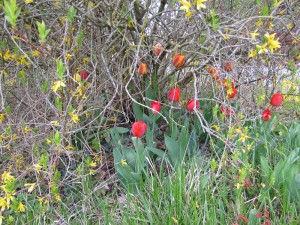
<point x="270" y="45"/>
<point x="186" y="7"/>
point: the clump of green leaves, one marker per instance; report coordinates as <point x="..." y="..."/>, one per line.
<point x="12" y="12"/>
<point x="43" y="32"/>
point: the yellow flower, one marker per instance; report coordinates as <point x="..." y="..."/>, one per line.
<point x="57" y="3"/>
<point x="68" y="56"/>
<point x="48" y="141"/>
<point x="37" y="167"/>
<point x="92" y="164"/>
<point x="237" y="130"/>
<point x="271" y="25"/>
<point x="238" y="185"/>
<point x="174" y="220"/>
<point x="130" y="23"/>
<point x="3" y="204"/>
<point x="90" y="4"/>
<point x="28" y="1"/>
<point x="77" y="77"/>
<point x="6" y="177"/>
<point x="57" y="198"/>
<point x="85" y="60"/>
<point x="35" y="53"/>
<point x="185" y="5"/>
<point x="1" y="217"/>
<point x="289" y="26"/>
<point x="55" y="123"/>
<point x="243" y="137"/>
<point x="21" y="208"/>
<point x="259" y="22"/>
<point x="217" y="128"/>
<point x="262" y="48"/>
<point x="252" y="53"/>
<point x="57" y="85"/>
<point x="70" y="147"/>
<point x="31" y="186"/>
<point x="189" y="14"/>
<point x="254" y="34"/>
<point x="200" y="4"/>
<point x="27" y="26"/>
<point x="74" y="117"/>
<point x="273" y="44"/>
<point x="2" y="117"/>
<point x="123" y="162"/>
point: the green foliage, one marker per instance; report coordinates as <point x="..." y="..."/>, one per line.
<point x="43" y="32"/>
<point x="12" y="12"/>
<point x="71" y="14"/>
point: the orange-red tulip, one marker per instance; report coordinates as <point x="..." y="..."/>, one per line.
<point x="143" y="69"/>
<point x="138" y="129"/>
<point x="157" y="49"/>
<point x="276" y="99"/>
<point x="156" y="107"/>
<point x="192" y="104"/>
<point x="174" y="95"/>
<point x="266" y="115"/>
<point x="178" y="60"/>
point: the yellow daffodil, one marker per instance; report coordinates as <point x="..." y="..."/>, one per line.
<point x="200" y="4"/>
<point x="254" y="34"/>
<point x="262" y="48"/>
<point x="57" y="85"/>
<point x="30" y="186"/>
<point x="21" y="208"/>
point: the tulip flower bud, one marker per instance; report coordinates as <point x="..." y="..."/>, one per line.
<point x="192" y="104"/>
<point x="276" y="99"/>
<point x="143" y="69"/>
<point x="138" y="129"/>
<point x="266" y="115"/>
<point x="178" y="60"/>
<point x="84" y="74"/>
<point x="157" y="49"/>
<point x="156" y="107"/>
<point x="174" y="95"/>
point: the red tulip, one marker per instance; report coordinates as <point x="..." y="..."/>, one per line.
<point x="84" y="74"/>
<point x="178" y="60"/>
<point x="157" y="49"/>
<point x="156" y="107"/>
<point x="226" y="111"/>
<point x="266" y="115"/>
<point x="139" y="129"/>
<point x="192" y="104"/>
<point x="174" y="95"/>
<point x="276" y="99"/>
<point x="143" y="69"/>
<point x="228" y="66"/>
